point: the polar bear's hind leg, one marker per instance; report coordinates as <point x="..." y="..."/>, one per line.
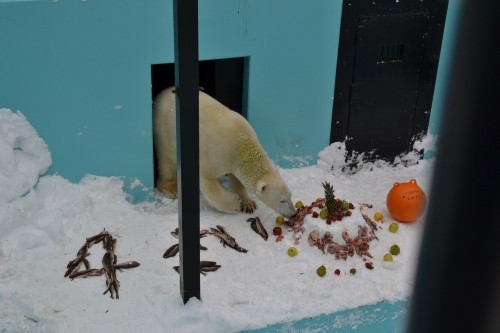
<point x="168" y="188"/>
<point x="167" y="178"/>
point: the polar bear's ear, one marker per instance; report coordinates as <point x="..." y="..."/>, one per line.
<point x="261" y="186"/>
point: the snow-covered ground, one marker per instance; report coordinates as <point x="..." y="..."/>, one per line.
<point x="45" y="220"/>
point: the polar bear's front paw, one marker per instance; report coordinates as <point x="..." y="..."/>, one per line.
<point x="248" y="206"/>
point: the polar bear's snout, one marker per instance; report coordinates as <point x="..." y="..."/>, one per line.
<point x="284" y="207"/>
<point x="288" y="209"/>
<point x="274" y="193"/>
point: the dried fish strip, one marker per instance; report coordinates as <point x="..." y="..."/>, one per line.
<point x="203" y="233"/>
<point x="205" y="267"/>
<point x="257" y="226"/>
<point x="86" y="273"/>
<point x="226" y="239"/>
<point x="171" y="251"/>
<point x="108" y="261"/>
<point x="126" y="265"/>
<point x="174" y="249"/>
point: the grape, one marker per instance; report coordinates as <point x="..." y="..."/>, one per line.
<point x="395" y="250"/>
<point x="292" y="251"/>
<point x="321" y="271"/>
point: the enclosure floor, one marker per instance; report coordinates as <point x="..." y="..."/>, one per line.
<point x="382" y="317"/>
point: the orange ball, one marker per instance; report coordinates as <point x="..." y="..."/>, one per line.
<point x="406" y="201"/>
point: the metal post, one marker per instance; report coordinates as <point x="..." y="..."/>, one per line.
<point x="188" y="179"/>
<point x="457" y="286"/>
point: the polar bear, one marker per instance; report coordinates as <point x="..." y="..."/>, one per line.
<point x="228" y="146"/>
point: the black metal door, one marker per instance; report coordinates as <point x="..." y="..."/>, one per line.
<point x="388" y="56"/>
<point x="384" y="88"/>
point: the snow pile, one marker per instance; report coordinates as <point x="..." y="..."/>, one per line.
<point x="42" y="230"/>
<point x="336" y="159"/>
<point x="24" y="155"/>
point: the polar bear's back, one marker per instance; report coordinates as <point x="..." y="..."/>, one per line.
<point x="219" y="123"/>
<point x="220" y="128"/>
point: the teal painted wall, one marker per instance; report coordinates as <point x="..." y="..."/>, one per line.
<point x="292" y="78"/>
<point x="444" y="65"/>
<point x="80" y="72"/>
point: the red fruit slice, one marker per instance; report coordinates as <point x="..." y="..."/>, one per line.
<point x="277" y="231"/>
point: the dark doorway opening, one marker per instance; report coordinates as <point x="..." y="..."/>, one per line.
<point x="386" y="71"/>
<point x="223" y="79"/>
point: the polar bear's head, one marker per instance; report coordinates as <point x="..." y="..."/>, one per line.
<point x="272" y="190"/>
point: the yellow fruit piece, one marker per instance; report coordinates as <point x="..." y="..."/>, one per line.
<point x="393" y="227"/>
<point x="292" y="251"/>
<point x="378" y="216"/>
<point x="299" y="204"/>
<point x="321" y="271"/>
<point x="280" y="220"/>
<point x="387" y="257"/>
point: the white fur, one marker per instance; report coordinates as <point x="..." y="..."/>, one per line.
<point x="228" y="146"/>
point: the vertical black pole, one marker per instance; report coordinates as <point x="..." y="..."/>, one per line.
<point x="188" y="179"/>
<point x="457" y="287"/>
